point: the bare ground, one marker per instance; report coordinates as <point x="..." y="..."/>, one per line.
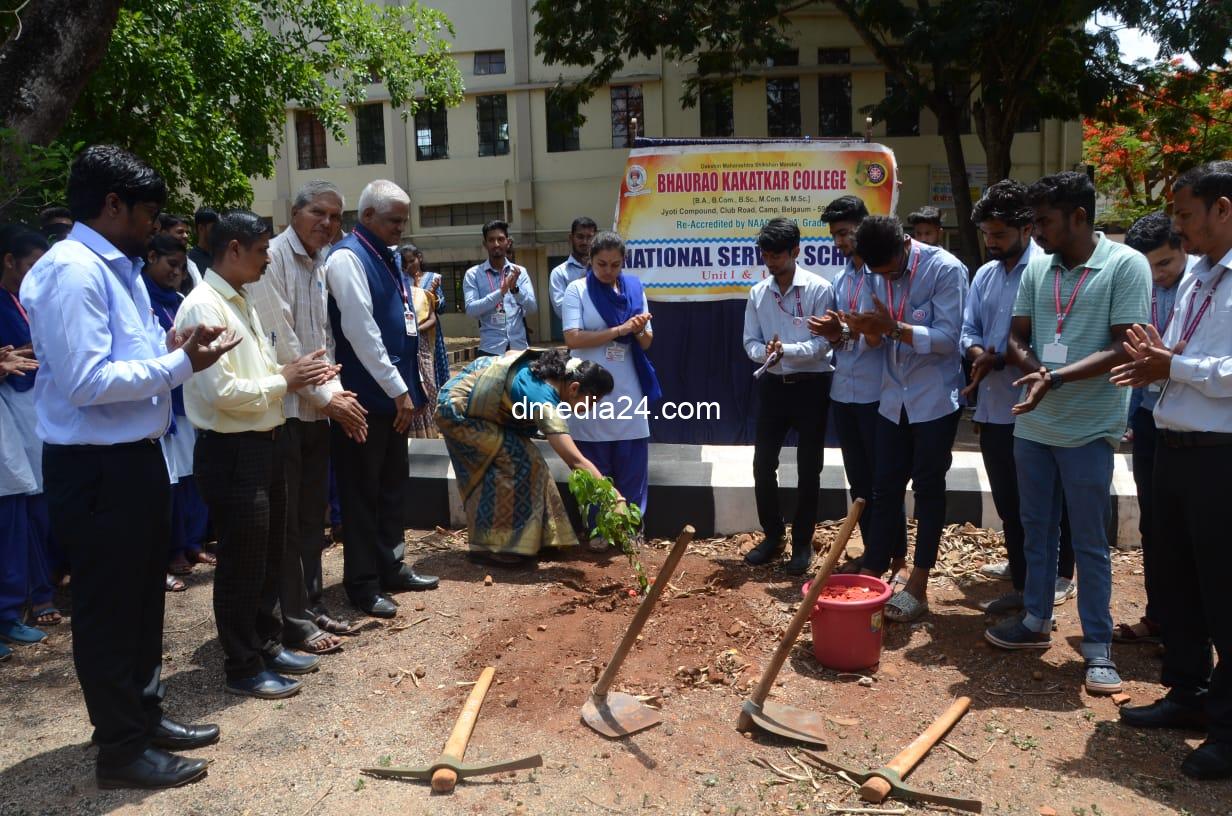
<point x="1032" y="739"/>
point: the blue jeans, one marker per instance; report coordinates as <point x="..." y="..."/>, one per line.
<point x="1083" y="476"/>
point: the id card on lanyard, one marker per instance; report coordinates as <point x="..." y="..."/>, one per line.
<point x="408" y="315"/>
<point x="1056" y="352"/>
<point x="499" y="317"/>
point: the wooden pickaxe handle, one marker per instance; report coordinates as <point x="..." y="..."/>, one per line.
<point x="876" y="789"/>
<point x="647" y="606"/>
<point x="444" y="779"/>
<point x="806" y="609"/>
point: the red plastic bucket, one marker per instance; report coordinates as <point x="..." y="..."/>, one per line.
<point x="847" y="633"/>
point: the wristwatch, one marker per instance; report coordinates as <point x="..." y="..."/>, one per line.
<point x="1055" y="380"/>
<point x="844" y="335"/>
<point x="896" y="333"/>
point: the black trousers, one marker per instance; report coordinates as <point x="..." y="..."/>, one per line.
<point x="919" y="452"/>
<point x="997" y="451"/>
<point x="856" y="425"/>
<point x="1192" y="517"/>
<point x="1143" y="424"/>
<point x="306" y="461"/>
<point x="242" y="481"/>
<point x="110" y="507"/>
<point x="803" y="406"/>
<point x="371" y="482"/>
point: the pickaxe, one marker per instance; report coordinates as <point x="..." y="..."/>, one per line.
<point x="447" y="770"/>
<point x="887" y="780"/>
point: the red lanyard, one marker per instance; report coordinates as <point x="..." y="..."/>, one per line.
<point x="1187" y="327"/>
<point x="20" y="308"/>
<point x="853" y="299"/>
<point x="898" y="315"/>
<point x="393" y="273"/>
<point x="1155" y="313"/>
<point x="1073" y="296"/>
<point x="779" y="300"/>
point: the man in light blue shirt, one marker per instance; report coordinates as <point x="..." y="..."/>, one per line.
<point x="793" y="392"/>
<point x="103" y="397"/>
<point x="581" y="235"/>
<point x="919" y="322"/>
<point x="855" y="391"/>
<point x="1152" y="235"/>
<point x="1004" y="219"/>
<point x="499" y="293"/>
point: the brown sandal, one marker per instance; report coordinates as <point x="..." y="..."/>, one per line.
<point x="335" y="627"/>
<point x="319" y="644"/>
<point x="1144" y="631"/>
<point x="203" y="557"/>
<point x="180" y="566"/>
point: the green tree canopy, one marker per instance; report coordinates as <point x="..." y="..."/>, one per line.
<point x="201" y="89"/>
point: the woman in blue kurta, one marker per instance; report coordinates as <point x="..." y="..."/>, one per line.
<point x="19" y="250"/>
<point x="606" y="321"/>
<point x="165" y="266"/>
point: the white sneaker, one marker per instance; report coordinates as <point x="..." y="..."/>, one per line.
<point x="1000" y="570"/>
<point x="1064" y="590"/>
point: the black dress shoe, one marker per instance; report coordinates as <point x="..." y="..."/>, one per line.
<point x="1164" y="713"/>
<point x="1210" y="760"/>
<point x="411" y="582"/>
<point x="765" y="552"/>
<point x="801" y="558"/>
<point x="174" y="736"/>
<point x="264" y="686"/>
<point x="289" y="662"/>
<point x="378" y="606"/>
<point x="155" y="768"/>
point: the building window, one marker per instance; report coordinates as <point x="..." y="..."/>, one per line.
<point x="788" y="58"/>
<point x="902" y="114"/>
<point x="834" y="94"/>
<point x="489" y="62"/>
<point x="461" y="215"/>
<point x="718" y="118"/>
<point x="370" y="133"/>
<point x="626" y="107"/>
<point x="309" y="140"/>
<point x="492" y="113"/>
<point x="563" y="134"/>
<point x="783" y="107"/>
<point x="1028" y="120"/>
<point x="431" y="134"/>
<point x="452" y="275"/>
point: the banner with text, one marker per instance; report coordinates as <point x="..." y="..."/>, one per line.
<point x="690" y="213"/>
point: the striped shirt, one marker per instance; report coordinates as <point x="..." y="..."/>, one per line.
<point x="1117" y="292"/>
<point x="290" y="301"/>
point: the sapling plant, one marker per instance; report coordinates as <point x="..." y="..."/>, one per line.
<point x="615" y="521"/>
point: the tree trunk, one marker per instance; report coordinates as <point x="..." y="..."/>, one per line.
<point x="960" y="186"/>
<point x="43" y="71"/>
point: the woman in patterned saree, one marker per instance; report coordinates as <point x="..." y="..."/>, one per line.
<point x="423" y="423"/>
<point x="487" y="414"/>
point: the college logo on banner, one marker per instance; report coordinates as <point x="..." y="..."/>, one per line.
<point x="690" y="214"/>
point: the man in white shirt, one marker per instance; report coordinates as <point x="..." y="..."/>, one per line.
<point x="291" y="302"/>
<point x="794" y="392"/>
<point x="499" y="293"/>
<point x="376" y="341"/>
<point x="581" y="235"/>
<point x="1193" y="469"/>
<point x="103" y="397"/>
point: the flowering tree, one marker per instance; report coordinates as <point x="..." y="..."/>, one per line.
<point x="1141" y="139"/>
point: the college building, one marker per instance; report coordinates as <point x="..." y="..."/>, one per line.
<point x="507" y="152"/>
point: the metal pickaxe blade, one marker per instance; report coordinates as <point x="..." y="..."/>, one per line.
<point x="898" y="788"/>
<point x="463" y="770"/>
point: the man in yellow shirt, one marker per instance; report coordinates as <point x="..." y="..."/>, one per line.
<point x="238" y="408"/>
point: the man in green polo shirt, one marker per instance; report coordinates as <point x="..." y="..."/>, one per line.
<point x="1073" y="310"/>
